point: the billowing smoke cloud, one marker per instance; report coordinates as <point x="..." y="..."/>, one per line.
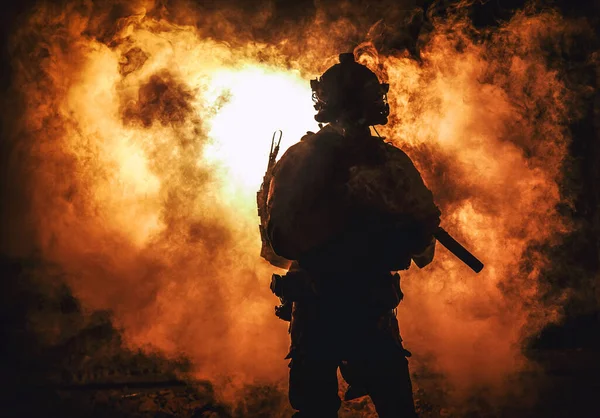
<point x="144" y="132"/>
<point x="486" y="124"/>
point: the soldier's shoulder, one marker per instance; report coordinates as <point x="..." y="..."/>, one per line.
<point x="397" y="159"/>
<point x="313" y="149"/>
<point x="323" y="140"/>
<point x="294" y="151"/>
<point x="393" y="152"/>
<point x="309" y="135"/>
<point x="391" y="148"/>
<point x="302" y="148"/>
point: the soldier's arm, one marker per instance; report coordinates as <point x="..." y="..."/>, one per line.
<point x="421" y="203"/>
<point x="420" y="206"/>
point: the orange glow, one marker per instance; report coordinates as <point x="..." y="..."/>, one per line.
<point x="149" y="151"/>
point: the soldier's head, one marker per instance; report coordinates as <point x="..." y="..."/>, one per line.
<point x="349" y="92"/>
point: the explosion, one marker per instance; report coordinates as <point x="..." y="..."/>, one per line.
<point x="145" y="143"/>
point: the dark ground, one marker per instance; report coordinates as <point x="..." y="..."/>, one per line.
<point x="59" y="361"/>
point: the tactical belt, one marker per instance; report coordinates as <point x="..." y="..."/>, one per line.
<point x="381" y="295"/>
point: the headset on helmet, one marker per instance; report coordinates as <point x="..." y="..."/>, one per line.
<point x="350" y="90"/>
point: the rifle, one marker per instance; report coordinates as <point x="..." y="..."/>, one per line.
<point x="262" y="195"/>
<point x="458" y="250"/>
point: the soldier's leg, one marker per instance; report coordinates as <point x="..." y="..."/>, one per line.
<point x="385" y="368"/>
<point x="313" y="385"/>
<point x="390" y="388"/>
<point x="313" y="389"/>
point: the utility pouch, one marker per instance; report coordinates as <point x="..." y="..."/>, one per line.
<point x="295" y="285"/>
<point x="283" y="311"/>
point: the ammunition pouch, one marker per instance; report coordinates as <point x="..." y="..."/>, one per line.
<point x="284" y="311"/>
<point x="294" y="286"/>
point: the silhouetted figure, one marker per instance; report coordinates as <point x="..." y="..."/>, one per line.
<point x="350" y="210"/>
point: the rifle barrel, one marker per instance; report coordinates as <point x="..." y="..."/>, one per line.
<point x="458" y="250"/>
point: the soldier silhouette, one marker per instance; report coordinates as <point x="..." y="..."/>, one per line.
<point x="349" y="211"/>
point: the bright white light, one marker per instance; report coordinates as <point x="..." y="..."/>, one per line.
<point x="260" y="101"/>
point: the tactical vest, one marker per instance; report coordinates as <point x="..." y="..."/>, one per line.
<point x="347" y="203"/>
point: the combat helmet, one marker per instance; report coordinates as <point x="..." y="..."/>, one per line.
<point x="351" y="91"/>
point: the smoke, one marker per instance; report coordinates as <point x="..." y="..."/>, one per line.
<point x="485" y="123"/>
<point x="140" y="133"/>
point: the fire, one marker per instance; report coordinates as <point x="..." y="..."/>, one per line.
<point x="147" y="149"/>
